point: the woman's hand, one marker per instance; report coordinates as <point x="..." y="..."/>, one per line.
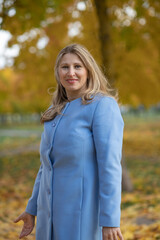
<point x="112" y="233"/>
<point x="29" y="222"/>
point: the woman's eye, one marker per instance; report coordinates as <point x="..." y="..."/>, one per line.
<point x="65" y="67"/>
<point x="78" y="66"/>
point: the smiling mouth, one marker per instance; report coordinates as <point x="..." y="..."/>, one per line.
<point x="72" y="80"/>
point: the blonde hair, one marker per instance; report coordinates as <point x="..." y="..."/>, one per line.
<point x="96" y="82"/>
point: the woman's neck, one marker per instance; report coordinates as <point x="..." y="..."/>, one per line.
<point x="73" y="97"/>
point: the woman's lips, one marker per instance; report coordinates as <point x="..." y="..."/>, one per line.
<point x="72" y="80"/>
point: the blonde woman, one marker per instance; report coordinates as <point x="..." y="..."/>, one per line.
<point x="77" y="191"/>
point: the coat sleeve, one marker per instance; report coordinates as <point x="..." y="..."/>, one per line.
<point x="108" y="139"/>
<point x="32" y="203"/>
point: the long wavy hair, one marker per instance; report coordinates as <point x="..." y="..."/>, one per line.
<point x="96" y="82"/>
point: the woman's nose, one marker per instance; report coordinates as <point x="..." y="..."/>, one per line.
<point x="71" y="71"/>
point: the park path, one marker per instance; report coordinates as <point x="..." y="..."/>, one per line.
<point x="34" y="147"/>
<point x="19" y="133"/>
<point x="19" y="150"/>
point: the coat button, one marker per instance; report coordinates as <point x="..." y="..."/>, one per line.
<point x="49" y="192"/>
<point x="53" y="124"/>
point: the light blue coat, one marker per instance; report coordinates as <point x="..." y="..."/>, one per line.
<point x="78" y="187"/>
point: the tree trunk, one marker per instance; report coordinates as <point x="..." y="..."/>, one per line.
<point x="106" y="50"/>
<point x="104" y="37"/>
<point x="126" y="181"/>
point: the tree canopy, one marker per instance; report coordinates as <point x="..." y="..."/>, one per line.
<point x="41" y="28"/>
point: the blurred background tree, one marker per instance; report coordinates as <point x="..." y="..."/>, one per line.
<point x="121" y="35"/>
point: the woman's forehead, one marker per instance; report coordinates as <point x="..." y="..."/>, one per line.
<point x="70" y="58"/>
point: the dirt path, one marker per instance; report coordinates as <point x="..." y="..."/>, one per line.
<point x="19" y="150"/>
<point x="20" y="133"/>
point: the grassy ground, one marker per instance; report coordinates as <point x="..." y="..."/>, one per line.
<point x="141" y="150"/>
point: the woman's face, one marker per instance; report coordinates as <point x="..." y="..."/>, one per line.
<point x="72" y="75"/>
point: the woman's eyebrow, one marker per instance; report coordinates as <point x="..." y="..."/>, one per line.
<point x="79" y="63"/>
<point x="64" y="63"/>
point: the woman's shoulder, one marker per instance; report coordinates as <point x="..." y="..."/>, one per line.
<point x="105" y="100"/>
<point x="106" y="104"/>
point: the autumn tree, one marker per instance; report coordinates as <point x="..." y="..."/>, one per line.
<point x="119" y="34"/>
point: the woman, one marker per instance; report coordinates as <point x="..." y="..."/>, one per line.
<point x="77" y="191"/>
